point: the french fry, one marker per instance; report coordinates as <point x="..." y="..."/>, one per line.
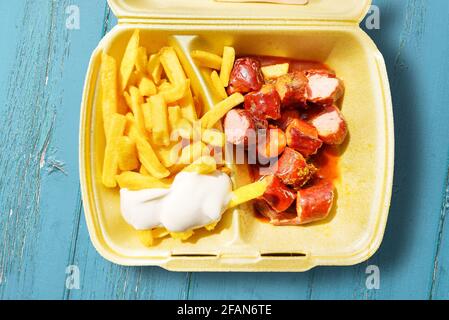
<point x="183" y="236"/>
<point x="135" y="181"/>
<point x="169" y="155"/>
<point x="146" y="237"/>
<point x="147" y="156"/>
<point x="174" y="116"/>
<point x="207" y="59"/>
<point x="110" y="161"/>
<point x="160" y="233"/>
<point x="147" y="87"/>
<point x="227" y="65"/>
<point x="136" y="107"/>
<point x="148" y="120"/>
<point x="154" y="68"/>
<point x="129" y="59"/>
<point x="164" y="86"/>
<point x="188" y="108"/>
<point x="135" y="79"/>
<point x="213" y="137"/>
<point x="175" y="92"/>
<point x="159" y="114"/>
<point x="127" y="154"/>
<point x="108" y="76"/>
<point x="202" y="165"/>
<point x="218" y="85"/>
<point x="275" y="71"/>
<point x="247" y="193"/>
<point x="219" y="111"/>
<point x="183" y="129"/>
<point x="141" y="60"/>
<point x="143" y="171"/>
<point x="172" y="66"/>
<point x="192" y="152"/>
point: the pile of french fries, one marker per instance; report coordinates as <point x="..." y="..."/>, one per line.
<point x="155" y="126"/>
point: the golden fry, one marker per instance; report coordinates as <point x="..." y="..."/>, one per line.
<point x="127" y="159"/>
<point x="160" y="233"/>
<point x="141" y="60"/>
<point x="172" y="66"/>
<point x="174" y="116"/>
<point x="219" y="111"/>
<point x="169" y="155"/>
<point x="213" y="137"/>
<point x="135" y="181"/>
<point x="129" y="59"/>
<point x="154" y="68"/>
<point x="108" y="77"/>
<point x="218" y="85"/>
<point x="247" y="193"/>
<point x="110" y="161"/>
<point x="148" y="120"/>
<point x="275" y="71"/>
<point x="227" y="65"/>
<point x="183" y="236"/>
<point x="147" y="156"/>
<point x="207" y="59"/>
<point x="192" y="152"/>
<point x="188" y="108"/>
<point x="147" y="87"/>
<point x="136" y="107"/>
<point x="175" y="92"/>
<point x="202" y="165"/>
<point x="146" y="237"/>
<point x="159" y="114"/>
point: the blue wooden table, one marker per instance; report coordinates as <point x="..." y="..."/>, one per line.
<point x="43" y="235"/>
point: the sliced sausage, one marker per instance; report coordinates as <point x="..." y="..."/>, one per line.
<point x="246" y="76"/>
<point x="239" y="127"/>
<point x="315" y="203"/>
<point x="278" y="195"/>
<point x="287" y="117"/>
<point x="273" y="144"/>
<point x="303" y="137"/>
<point x="262" y="207"/>
<point x="324" y="87"/>
<point x="264" y="104"/>
<point x="293" y="169"/>
<point x="312" y="204"/>
<point x="331" y="125"/>
<point x="292" y="89"/>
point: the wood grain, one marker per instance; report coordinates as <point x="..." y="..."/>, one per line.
<point x="42" y="227"/>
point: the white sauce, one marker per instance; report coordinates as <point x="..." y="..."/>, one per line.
<point x="193" y="201"/>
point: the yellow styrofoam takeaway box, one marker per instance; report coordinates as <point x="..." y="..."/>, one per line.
<point x="324" y="30"/>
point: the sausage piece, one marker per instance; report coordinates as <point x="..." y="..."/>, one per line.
<point x="278" y="195"/>
<point x="324" y="88"/>
<point x="246" y="76"/>
<point x="303" y="137"/>
<point x="293" y="169"/>
<point x="239" y="127"/>
<point x="331" y="125"/>
<point x="287" y="117"/>
<point x="315" y="203"/>
<point x="264" y="104"/>
<point x="312" y="204"/>
<point x="262" y="207"/>
<point x="292" y="89"/>
<point x="273" y="144"/>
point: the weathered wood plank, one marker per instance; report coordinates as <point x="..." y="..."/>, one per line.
<point x="40" y="97"/>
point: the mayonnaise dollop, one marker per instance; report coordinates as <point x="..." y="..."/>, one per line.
<point x="193" y="200"/>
